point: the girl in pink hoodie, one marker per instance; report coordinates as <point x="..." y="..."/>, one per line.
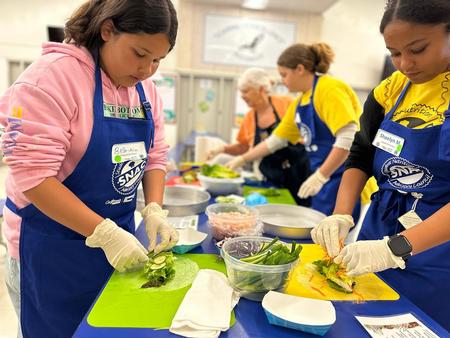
<point x="83" y="127"/>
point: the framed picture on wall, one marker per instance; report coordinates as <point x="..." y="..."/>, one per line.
<point x="245" y="42"/>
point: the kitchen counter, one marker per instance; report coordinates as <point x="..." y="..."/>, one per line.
<point x="251" y="320"/>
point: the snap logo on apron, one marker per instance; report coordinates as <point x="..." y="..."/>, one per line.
<point x="127" y="176"/>
<point x="403" y="174"/>
<point x="306" y="133"/>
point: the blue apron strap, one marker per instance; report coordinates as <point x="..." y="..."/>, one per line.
<point x="98" y="92"/>
<point x="316" y="78"/>
<point x="147" y="111"/>
<point x="399" y="100"/>
<point x="311" y="106"/>
<point x="444" y="139"/>
<point x="11" y="206"/>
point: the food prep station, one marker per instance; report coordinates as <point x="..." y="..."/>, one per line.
<point x="279" y="218"/>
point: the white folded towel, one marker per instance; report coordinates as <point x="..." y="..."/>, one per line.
<point x="206" y="308"/>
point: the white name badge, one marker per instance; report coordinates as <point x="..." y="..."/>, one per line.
<point x="386" y="141"/>
<point x="132" y="151"/>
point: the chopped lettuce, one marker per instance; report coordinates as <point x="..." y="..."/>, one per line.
<point x="335" y="275"/>
<point x="159" y="269"/>
<point x="218" y="171"/>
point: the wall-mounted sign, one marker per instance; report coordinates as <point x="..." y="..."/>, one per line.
<point x="243" y="41"/>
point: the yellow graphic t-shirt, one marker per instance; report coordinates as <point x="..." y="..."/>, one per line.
<point x="423" y="105"/>
<point x="336" y="105"/>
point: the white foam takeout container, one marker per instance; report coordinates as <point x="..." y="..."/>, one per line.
<point x="299" y="313"/>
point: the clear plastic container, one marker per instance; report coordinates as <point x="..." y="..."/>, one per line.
<point x="253" y="281"/>
<point x="232" y="220"/>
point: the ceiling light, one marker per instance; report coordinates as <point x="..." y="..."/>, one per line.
<point x="255" y="4"/>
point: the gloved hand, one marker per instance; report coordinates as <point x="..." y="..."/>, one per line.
<point x="236" y="162"/>
<point x="121" y="248"/>
<point x="312" y="185"/>
<point x="214" y="152"/>
<point x="331" y="232"/>
<point x="155" y="220"/>
<point x="368" y="256"/>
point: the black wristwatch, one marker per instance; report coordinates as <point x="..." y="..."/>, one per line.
<point x="400" y="246"/>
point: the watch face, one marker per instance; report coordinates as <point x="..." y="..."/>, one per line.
<point x="400" y="246"/>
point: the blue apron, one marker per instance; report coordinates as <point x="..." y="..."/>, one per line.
<point x="59" y="275"/>
<point x="318" y="141"/>
<point x="419" y="176"/>
<point x="287" y="167"/>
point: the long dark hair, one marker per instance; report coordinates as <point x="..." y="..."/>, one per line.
<point x="315" y="58"/>
<point x="426" y="12"/>
<point x="128" y="16"/>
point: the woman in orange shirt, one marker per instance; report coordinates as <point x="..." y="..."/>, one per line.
<point x="287" y="167"/>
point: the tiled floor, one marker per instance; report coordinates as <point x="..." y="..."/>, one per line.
<point x="8" y="318"/>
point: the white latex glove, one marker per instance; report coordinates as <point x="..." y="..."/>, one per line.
<point x="236" y="162"/>
<point x="368" y="256"/>
<point x="155" y="220"/>
<point x="312" y="185"/>
<point x="121" y="248"/>
<point x="214" y="152"/>
<point x="331" y="232"/>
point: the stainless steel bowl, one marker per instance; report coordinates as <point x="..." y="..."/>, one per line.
<point x="185" y="201"/>
<point x="288" y="221"/>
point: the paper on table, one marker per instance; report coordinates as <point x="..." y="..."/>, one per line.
<point x="184" y="222"/>
<point x="397" y="326"/>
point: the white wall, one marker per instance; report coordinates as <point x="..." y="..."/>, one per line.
<point x="23" y="24"/>
<point x="351" y="28"/>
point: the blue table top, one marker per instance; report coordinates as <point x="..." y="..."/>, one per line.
<point x="251" y="321"/>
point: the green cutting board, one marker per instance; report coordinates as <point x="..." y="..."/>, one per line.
<point x="285" y="196"/>
<point x="123" y="303"/>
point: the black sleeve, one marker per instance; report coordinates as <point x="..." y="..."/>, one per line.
<point x="362" y="151"/>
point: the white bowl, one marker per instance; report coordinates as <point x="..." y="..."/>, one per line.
<point x="299" y="313"/>
<point x="189" y="239"/>
<point x="220" y="186"/>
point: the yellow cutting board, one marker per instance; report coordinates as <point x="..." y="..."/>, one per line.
<point x="305" y="283"/>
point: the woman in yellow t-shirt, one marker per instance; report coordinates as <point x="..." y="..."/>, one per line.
<point x="285" y="168"/>
<point x="404" y="142"/>
<point x="325" y="117"/>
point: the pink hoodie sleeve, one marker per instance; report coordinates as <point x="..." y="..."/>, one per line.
<point x="36" y="137"/>
<point x="157" y="154"/>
